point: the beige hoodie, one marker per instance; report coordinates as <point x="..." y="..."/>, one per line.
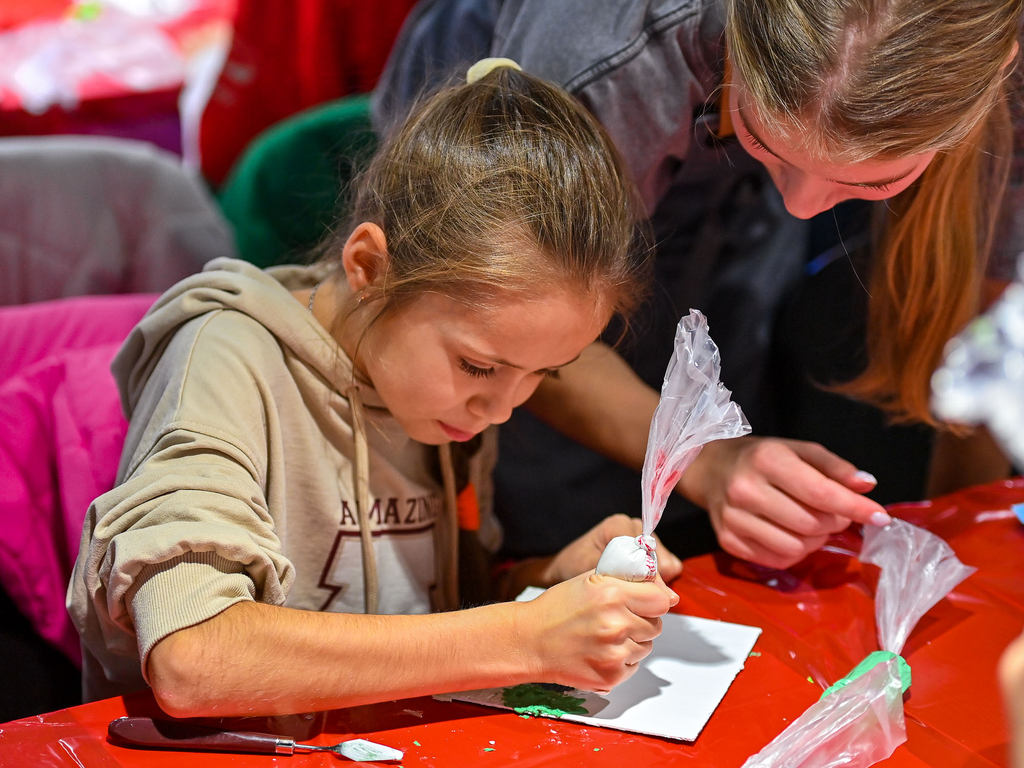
<point x="239" y="479"/>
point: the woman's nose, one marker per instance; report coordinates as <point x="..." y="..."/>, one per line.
<point x="804" y="195"/>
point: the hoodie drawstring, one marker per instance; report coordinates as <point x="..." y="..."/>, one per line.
<point x="371" y="587"/>
<point x="448" y="557"/>
<point x="446" y="536"/>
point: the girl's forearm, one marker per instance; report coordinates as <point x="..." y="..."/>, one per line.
<point x="532" y="572"/>
<point x="255" y="659"/>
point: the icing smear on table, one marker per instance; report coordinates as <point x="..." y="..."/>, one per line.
<point x="540" y="700"/>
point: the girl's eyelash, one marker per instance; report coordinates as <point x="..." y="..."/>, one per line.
<point x="553" y="373"/>
<point x="474" y="370"/>
<point x="879" y="187"/>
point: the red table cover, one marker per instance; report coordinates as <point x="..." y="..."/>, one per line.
<point x="818" y="621"/>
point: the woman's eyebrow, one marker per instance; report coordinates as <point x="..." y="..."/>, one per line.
<point x="879" y="183"/>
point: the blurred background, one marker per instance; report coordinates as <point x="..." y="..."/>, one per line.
<point x="138" y="140"/>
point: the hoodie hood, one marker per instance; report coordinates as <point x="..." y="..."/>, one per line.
<point x="236" y="285"/>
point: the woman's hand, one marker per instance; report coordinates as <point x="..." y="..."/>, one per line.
<point x="591" y="632"/>
<point x="775" y="501"/>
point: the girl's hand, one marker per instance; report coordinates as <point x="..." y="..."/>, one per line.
<point x="775" y="501"/>
<point x="582" y="554"/>
<point x="591" y="632"/>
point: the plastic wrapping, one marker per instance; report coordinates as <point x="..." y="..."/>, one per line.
<point x="854" y="728"/>
<point x="918" y="570"/>
<point x="695" y="408"/>
<point x="860" y="722"/>
<point x="982" y="378"/>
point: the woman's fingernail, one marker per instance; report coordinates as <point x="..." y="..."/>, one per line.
<point x="880" y="519"/>
<point x="866" y="477"/>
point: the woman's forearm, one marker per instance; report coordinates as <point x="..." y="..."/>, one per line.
<point x="601" y="403"/>
<point x="256" y="659"/>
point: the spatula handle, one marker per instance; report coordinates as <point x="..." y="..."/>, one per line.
<point x="173" y="734"/>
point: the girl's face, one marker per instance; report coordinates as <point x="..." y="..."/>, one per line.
<point x="808" y="186"/>
<point x="447" y="371"/>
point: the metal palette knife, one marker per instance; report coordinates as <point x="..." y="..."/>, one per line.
<point x="172" y="734"/>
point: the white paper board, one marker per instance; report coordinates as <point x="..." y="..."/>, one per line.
<point x="675" y="690"/>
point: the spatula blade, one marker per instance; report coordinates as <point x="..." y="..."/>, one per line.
<point x="363" y="751"/>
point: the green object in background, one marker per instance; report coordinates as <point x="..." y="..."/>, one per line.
<point x="870" y="662"/>
<point x="289" y="186"/>
<point x="88" y="11"/>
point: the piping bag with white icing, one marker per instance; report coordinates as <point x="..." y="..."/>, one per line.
<point x="695" y="408"/>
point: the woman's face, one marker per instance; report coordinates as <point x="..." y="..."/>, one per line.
<point x="808" y="186"/>
<point x="446" y="371"/>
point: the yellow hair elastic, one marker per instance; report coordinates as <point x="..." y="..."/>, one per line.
<point x="484" y="67"/>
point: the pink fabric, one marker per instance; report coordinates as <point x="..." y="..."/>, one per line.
<point x="61" y="432"/>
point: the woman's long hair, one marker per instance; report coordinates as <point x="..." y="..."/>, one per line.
<point x="857" y="80"/>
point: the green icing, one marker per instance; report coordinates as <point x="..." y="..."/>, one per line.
<point x="870" y="662"/>
<point x="535" y="699"/>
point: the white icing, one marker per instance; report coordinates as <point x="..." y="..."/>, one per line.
<point x="629" y="558"/>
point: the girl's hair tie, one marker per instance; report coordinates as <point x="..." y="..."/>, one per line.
<point x="484" y="67"/>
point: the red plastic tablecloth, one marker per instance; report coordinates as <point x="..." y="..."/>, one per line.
<point x="818" y="621"/>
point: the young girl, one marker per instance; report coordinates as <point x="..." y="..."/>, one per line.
<point x="737" y="118"/>
<point x="277" y="477"/>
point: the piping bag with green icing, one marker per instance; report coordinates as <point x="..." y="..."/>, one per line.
<point x="695" y="408"/>
<point x="859" y="720"/>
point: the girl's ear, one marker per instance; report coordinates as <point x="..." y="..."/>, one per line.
<point x="365" y="256"/>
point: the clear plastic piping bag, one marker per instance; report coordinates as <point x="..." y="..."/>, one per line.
<point x="859" y="720"/>
<point x="695" y="408"/>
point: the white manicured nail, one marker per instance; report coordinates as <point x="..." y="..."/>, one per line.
<point x="880" y="519"/>
<point x="867" y="477"/>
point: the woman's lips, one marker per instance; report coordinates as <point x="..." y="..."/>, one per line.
<point x="455" y="433"/>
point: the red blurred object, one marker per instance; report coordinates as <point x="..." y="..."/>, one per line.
<point x="818" y="621"/>
<point x="289" y="55"/>
<point x="14" y="13"/>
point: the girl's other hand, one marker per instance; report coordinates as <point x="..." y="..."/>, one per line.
<point x="775" y="501"/>
<point x="591" y="632"/>
<point x="582" y="554"/>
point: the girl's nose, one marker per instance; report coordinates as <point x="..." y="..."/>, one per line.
<point x="495" y="406"/>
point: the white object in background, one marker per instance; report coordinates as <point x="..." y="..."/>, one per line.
<point x="982" y="378"/>
<point x="151" y="8"/>
<point x="676" y="688"/>
<point x="48" y="63"/>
